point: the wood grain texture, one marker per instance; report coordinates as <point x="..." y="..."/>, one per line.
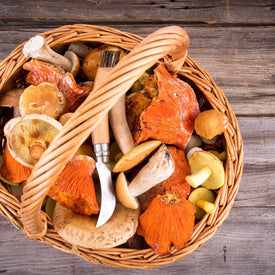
<point x="234" y="42"/>
<point x="229" y="55"/>
<point x="210" y="12"/>
<point x="234" y="249"/>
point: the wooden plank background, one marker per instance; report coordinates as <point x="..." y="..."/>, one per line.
<point x="234" y="42"/>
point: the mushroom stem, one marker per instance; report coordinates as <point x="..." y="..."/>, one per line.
<point x="160" y="167"/>
<point x="120" y="126"/>
<point x="36" y="150"/>
<point x="37" y="47"/>
<point x="207" y="206"/>
<point x="199" y="177"/>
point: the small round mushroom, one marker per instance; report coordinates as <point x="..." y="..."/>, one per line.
<point x="210" y="123"/>
<point x="206" y="170"/>
<point x="194" y="141"/>
<point x="38" y="48"/>
<point x="73" y="58"/>
<point x="80" y="49"/>
<point x="203" y="199"/>
<point x="65" y="117"/>
<point x="92" y="60"/>
<point x="160" y="167"/>
<point x="42" y="99"/>
<point x="29" y="136"/>
<point x="11" y="98"/>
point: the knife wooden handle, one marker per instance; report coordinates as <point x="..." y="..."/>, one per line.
<point x="101" y="133"/>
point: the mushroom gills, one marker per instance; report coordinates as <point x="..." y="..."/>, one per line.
<point x="206" y="170"/>
<point x="29" y="136"/>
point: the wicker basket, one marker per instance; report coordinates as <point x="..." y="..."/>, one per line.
<point x="26" y="213"/>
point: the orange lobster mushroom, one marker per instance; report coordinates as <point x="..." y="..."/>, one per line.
<point x="169" y="220"/>
<point x="45" y="72"/>
<point x="176" y="182"/>
<point x="74" y="188"/>
<point x="12" y="170"/>
<point x="171" y="115"/>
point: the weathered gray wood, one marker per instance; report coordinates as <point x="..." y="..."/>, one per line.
<point x="233" y="41"/>
<point x="242" y="65"/>
<point x="243" y="245"/>
<point x="135" y="11"/>
<point x="257" y="188"/>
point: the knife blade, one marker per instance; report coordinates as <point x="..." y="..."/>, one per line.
<point x="108" y="199"/>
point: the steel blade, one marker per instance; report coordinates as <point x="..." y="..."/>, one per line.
<point x="108" y="198"/>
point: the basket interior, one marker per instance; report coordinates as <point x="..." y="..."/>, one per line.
<point x="13" y="76"/>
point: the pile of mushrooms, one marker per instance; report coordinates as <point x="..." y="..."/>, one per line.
<point x="159" y="167"/>
<point x="207" y="170"/>
<point x="41" y="114"/>
<point x="38" y="48"/>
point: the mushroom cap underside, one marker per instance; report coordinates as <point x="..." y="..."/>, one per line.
<point x="201" y="193"/>
<point x="201" y="159"/>
<point x="24" y="132"/>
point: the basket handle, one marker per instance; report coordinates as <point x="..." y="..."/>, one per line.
<point x="171" y="40"/>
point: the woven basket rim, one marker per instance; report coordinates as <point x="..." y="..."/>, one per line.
<point x="11" y="68"/>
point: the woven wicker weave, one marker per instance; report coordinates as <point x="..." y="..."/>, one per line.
<point x="27" y="215"/>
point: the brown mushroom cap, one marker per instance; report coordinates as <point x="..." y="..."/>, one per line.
<point x="29" y="136"/>
<point x="70" y="55"/>
<point x="81" y="230"/>
<point x="210" y="123"/>
<point x="11" y="98"/>
<point x="92" y="60"/>
<point x="65" y="117"/>
<point x="42" y="99"/>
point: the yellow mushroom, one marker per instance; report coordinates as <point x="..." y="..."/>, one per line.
<point x="206" y="170"/>
<point x="203" y="199"/>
